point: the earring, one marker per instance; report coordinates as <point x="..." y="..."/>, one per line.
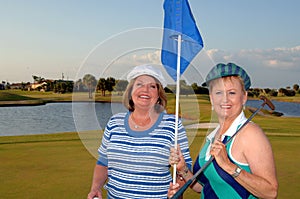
<point x="212" y="107"/>
<point x="158" y="101"/>
<point x="244" y="106"/>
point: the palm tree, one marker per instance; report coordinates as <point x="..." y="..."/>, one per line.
<point x="90" y="82"/>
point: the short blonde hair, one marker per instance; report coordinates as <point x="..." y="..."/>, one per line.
<point x="226" y="79"/>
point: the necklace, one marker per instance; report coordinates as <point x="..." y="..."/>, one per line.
<point x="137" y="125"/>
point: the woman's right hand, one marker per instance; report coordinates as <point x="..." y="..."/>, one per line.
<point x="94" y="194"/>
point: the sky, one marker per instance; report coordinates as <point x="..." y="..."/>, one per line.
<point x="55" y="38"/>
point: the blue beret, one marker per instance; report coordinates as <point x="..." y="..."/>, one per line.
<point x="230" y="69"/>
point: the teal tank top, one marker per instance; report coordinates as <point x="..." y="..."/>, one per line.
<point x="215" y="181"/>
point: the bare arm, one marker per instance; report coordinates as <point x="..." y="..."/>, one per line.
<point x="99" y="178"/>
<point x="263" y="181"/>
<point x="253" y="147"/>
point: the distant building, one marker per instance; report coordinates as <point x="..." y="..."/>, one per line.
<point x="35" y="86"/>
<point x="16" y="86"/>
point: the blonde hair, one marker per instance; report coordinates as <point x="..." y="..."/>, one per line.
<point x="227" y="79"/>
<point x="159" y="106"/>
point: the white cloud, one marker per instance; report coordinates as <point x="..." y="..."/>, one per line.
<point x="273" y="68"/>
<point x="277" y="67"/>
<point x="277" y="58"/>
<point x="139" y="57"/>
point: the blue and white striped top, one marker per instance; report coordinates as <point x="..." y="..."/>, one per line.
<point x="138" y="161"/>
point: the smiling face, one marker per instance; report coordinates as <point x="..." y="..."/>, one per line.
<point x="144" y="92"/>
<point x="227" y="97"/>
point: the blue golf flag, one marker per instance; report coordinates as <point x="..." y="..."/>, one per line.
<point x="178" y="20"/>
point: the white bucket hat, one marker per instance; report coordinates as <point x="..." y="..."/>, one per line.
<point x="147" y="70"/>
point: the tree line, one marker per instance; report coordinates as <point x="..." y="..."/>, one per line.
<point x="90" y="84"/>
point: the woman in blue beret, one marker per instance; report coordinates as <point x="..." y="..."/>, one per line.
<point x="245" y="167"/>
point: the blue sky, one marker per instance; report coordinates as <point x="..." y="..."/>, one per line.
<point x="48" y="38"/>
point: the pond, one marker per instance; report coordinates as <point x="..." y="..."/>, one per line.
<point x="55" y="117"/>
<point x="289" y="109"/>
<point x="72" y="117"/>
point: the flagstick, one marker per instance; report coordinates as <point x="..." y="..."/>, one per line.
<point x="177" y="100"/>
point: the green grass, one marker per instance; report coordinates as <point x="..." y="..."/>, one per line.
<point x="288" y="99"/>
<point x="12" y="96"/>
<point x="35" y="168"/>
<point x="59" y="165"/>
<point x="286" y="150"/>
<point x="17" y="95"/>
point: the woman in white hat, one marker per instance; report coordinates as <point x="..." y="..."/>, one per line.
<point x="134" y="154"/>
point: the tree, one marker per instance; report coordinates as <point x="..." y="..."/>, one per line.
<point x="121" y="86"/>
<point x="273" y="93"/>
<point x="254" y="92"/>
<point x="2" y="85"/>
<point x="101" y="86"/>
<point x="7" y="86"/>
<point x="69" y="86"/>
<point x="90" y="82"/>
<point x="199" y="90"/>
<point x="287" y="92"/>
<point x="79" y="85"/>
<point x="296" y="87"/>
<point x="109" y="84"/>
<point x="50" y="85"/>
<point x="38" y="79"/>
<point x="266" y="90"/>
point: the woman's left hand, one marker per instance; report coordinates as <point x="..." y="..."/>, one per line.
<point x="176" y="157"/>
<point x="173" y="189"/>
